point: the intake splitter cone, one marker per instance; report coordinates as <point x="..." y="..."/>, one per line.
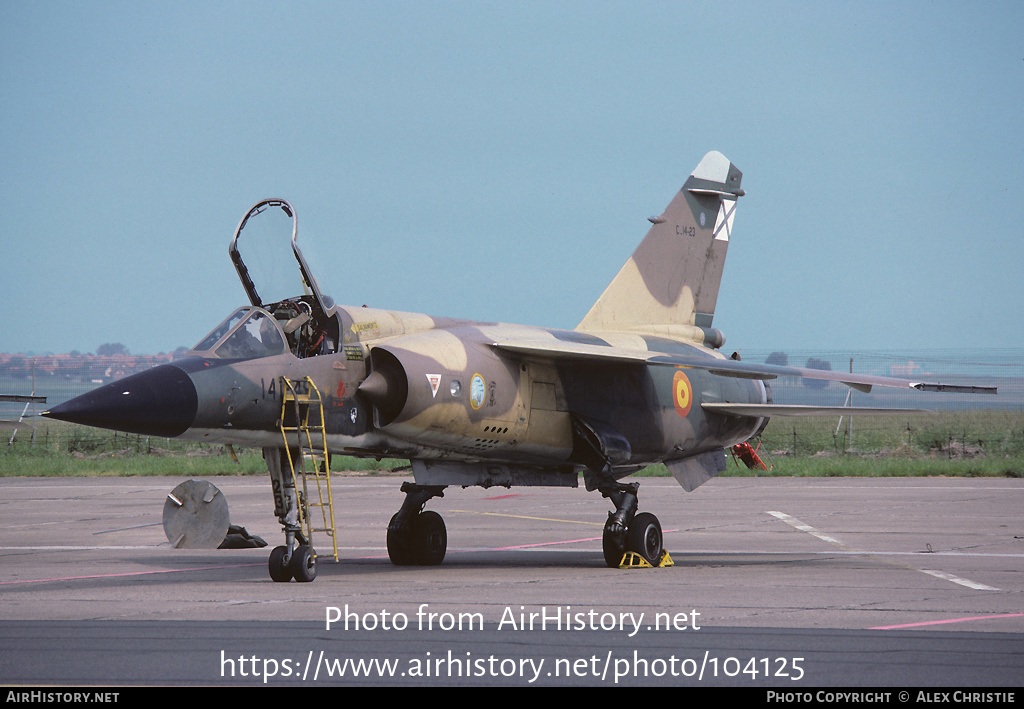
<point x="158" y="402"/>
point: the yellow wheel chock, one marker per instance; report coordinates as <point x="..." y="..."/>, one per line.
<point x="632" y="560"/>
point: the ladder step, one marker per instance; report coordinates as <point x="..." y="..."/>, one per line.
<point x="308" y="412"/>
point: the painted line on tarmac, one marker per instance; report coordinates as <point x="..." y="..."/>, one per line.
<point x="797" y="524"/>
<point x="127" y="573"/>
<point x="545" y="544"/>
<point x="944" y="622"/>
<point x="803" y="527"/>
<point x="83" y="547"/>
<point x="539" y="519"/>
<point x="956" y="579"/>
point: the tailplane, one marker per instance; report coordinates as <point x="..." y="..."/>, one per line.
<point x="670" y="283"/>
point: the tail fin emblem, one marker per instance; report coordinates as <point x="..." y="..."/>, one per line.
<point x="723" y="227"/>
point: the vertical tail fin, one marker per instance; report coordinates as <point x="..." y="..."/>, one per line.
<point x="670" y="284"/>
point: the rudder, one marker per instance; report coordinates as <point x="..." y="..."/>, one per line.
<point x="671" y="281"/>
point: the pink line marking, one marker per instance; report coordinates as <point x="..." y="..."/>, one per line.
<point x="129" y="573"/>
<point x="518" y="546"/>
<point x="567" y="541"/>
<point x="943" y="622"/>
<point x="545" y="544"/>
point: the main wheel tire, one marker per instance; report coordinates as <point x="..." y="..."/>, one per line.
<point x="303" y="564"/>
<point x="644" y="537"/>
<point x="279" y="570"/>
<point x="400" y="548"/>
<point x="430" y="539"/>
<point x="613" y="549"/>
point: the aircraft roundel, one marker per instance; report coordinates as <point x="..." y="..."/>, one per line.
<point x="477" y="392"/>
<point x="682" y="393"/>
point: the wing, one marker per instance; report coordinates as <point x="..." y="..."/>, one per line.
<point x="562" y="350"/>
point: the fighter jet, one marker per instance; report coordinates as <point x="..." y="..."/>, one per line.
<point x="641" y="380"/>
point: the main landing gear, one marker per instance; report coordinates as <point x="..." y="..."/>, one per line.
<point x="417" y="537"/>
<point x="626" y="531"/>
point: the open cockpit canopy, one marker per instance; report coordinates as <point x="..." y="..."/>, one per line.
<point x="302" y="311"/>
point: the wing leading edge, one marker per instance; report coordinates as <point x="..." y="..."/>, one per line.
<point x="561" y="350"/>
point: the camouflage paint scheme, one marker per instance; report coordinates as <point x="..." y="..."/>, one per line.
<point x="467" y="407"/>
<point x="640" y="380"/>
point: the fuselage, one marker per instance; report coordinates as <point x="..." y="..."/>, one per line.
<point x="412" y="386"/>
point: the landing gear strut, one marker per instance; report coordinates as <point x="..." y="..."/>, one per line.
<point x="627" y="531"/>
<point x="416" y="537"/>
<point x="296" y="559"/>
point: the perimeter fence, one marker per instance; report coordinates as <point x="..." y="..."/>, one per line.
<point x="960" y="425"/>
<point x="59" y="378"/>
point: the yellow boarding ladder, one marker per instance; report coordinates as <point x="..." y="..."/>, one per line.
<point x="308" y="416"/>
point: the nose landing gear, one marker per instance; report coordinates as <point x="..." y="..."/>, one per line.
<point x="296" y="559"/>
<point x="300" y="564"/>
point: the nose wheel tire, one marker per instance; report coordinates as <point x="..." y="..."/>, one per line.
<point x="301" y="567"/>
<point x="303" y="564"/>
<point x="279" y="570"/>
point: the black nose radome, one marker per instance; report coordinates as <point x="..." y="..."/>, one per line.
<point x="158" y="402"/>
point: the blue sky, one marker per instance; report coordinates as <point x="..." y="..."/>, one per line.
<point x="497" y="161"/>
